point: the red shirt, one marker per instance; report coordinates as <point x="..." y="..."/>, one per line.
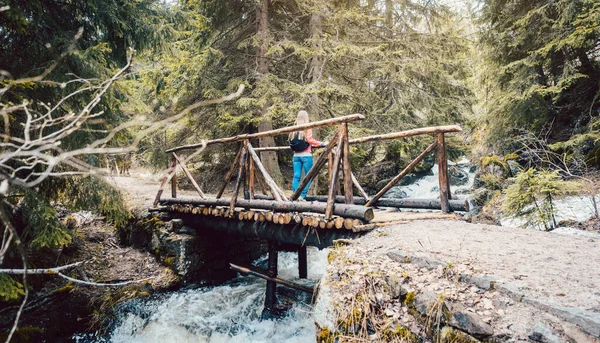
<point x="311" y="141"/>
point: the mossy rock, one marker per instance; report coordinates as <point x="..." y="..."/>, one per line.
<point x="451" y="335"/>
<point x="25" y="334"/>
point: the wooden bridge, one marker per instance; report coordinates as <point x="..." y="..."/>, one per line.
<point x="277" y="217"/>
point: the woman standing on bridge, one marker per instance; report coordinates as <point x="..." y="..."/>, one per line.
<point x="301" y="142"/>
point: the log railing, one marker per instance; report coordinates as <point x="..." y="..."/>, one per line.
<point x="248" y="169"/>
<point x="438" y="144"/>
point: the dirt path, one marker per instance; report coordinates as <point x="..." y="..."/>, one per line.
<point x="559" y="269"/>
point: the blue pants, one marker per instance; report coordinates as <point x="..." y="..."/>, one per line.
<point x="301" y="163"/>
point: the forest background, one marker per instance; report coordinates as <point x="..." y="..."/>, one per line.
<point x="521" y="77"/>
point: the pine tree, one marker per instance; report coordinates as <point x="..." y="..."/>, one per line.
<point x="543" y="66"/>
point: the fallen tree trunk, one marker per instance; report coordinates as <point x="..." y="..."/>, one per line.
<point x="346" y="211"/>
<point x="425" y="204"/>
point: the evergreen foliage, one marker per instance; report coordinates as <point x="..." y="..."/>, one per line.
<point x="9" y="288"/>
<point x="74" y="45"/>
<point x="42" y="228"/>
<point x="532" y="193"/>
<point x="408" y="73"/>
<point x="542" y="67"/>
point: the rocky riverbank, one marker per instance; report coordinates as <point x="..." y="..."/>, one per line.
<point x="58" y="308"/>
<point x="450" y="281"/>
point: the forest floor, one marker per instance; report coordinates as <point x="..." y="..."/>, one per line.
<point x="536" y="277"/>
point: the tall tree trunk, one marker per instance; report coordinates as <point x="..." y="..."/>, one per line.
<point x="389" y="16"/>
<point x="316" y="73"/>
<point x="371" y="5"/>
<point x="316" y="62"/>
<point x="269" y="159"/>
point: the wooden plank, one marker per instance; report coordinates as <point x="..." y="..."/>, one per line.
<point x="348" y="190"/>
<point x="314" y="171"/>
<point x="277" y="193"/>
<point x="229" y="174"/>
<point x="189" y="175"/>
<point x="443" y="174"/>
<point x="335" y="174"/>
<point x="399" y="177"/>
<point x="281" y="131"/>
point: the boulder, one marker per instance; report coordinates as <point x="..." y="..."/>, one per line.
<point x="396" y="192"/>
<point x="471" y="324"/>
<point x="429" y="304"/>
<point x="542" y="334"/>
<point x="398" y="289"/>
<point x="457" y="176"/>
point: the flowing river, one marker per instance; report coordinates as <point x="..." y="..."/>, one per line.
<point x="231" y="312"/>
<point x="226" y="313"/>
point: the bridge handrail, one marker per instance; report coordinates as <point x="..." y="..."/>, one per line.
<point x="281" y="131"/>
<point x="393" y="135"/>
<point x="250" y="168"/>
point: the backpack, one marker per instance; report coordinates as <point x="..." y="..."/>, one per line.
<point x="297" y="144"/>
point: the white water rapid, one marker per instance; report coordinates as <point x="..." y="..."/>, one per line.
<point x="227" y="313"/>
<point x="428" y="187"/>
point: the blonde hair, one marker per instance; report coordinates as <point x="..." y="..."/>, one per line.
<point x="302" y="118"/>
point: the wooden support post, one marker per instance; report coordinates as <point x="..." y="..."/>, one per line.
<point x="334" y="179"/>
<point x="251" y="177"/>
<point x="360" y="189"/>
<point x="261" y="182"/>
<point x="170" y="172"/>
<point x="238" y="181"/>
<point x="174" y="178"/>
<point x="230" y="172"/>
<point x="189" y="175"/>
<point x="271" y="292"/>
<point x="443" y="173"/>
<point x="277" y="193"/>
<point x="317" y="166"/>
<point x="329" y="167"/>
<point x="247" y="174"/>
<point x="402" y="174"/>
<point x="346" y="165"/>
<point x="302" y="262"/>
